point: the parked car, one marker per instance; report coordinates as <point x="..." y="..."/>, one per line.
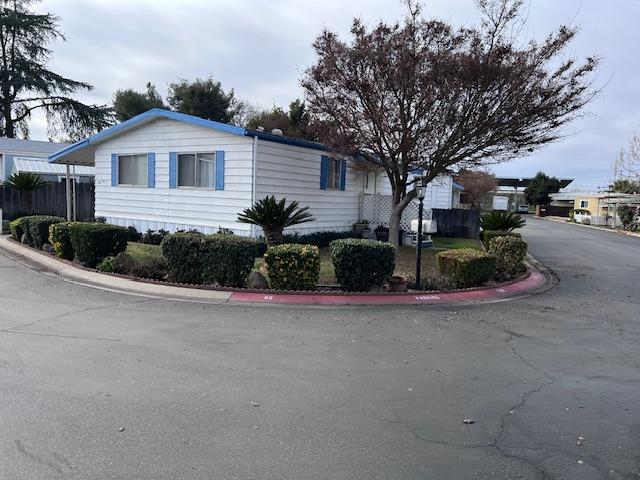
<point x="523" y="208"/>
<point x="582" y="216"/>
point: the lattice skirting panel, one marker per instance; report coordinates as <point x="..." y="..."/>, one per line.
<point x="376" y="209"/>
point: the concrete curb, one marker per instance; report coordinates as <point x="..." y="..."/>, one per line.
<point x="539" y="279"/>
<point x="592" y="227"/>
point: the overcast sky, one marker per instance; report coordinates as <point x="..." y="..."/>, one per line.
<point x="260" y="47"/>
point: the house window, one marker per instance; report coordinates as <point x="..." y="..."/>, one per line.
<point x="196" y="170"/>
<point x="333" y="175"/>
<point x="584" y="203"/>
<point x="132" y="170"/>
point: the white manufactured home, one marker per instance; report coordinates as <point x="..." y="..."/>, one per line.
<point x="168" y="170"/>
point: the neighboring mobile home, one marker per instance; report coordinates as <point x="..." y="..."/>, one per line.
<point x="17" y="155"/>
<point x="168" y="170"/>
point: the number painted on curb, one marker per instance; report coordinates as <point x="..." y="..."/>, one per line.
<point x="427" y="297"/>
<point x="501" y="290"/>
<point x="268" y="298"/>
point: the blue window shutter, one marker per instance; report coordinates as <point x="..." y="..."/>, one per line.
<point x="151" y="170"/>
<point x="173" y="170"/>
<point x="324" y="172"/>
<point x="343" y="174"/>
<point x="114" y="170"/>
<point x="219" y="170"/>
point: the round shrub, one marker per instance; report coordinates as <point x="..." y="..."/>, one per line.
<point x="293" y="267"/>
<point x="15" y="227"/>
<point x="468" y="267"/>
<point x="510" y="253"/>
<point x="60" y="240"/>
<point x="39" y="228"/>
<point x="94" y="241"/>
<point x="362" y="264"/>
<point x="489" y="235"/>
<point x="196" y="258"/>
<point x="154" y="268"/>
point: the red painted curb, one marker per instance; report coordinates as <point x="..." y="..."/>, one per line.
<point x="535" y="280"/>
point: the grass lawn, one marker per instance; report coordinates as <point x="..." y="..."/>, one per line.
<point x="405" y="259"/>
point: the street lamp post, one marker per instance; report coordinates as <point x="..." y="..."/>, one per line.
<point x="420" y="191"/>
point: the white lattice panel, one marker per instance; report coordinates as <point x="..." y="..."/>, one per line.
<point x="376" y="209"/>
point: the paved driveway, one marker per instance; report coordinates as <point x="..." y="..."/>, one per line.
<point x="100" y="385"/>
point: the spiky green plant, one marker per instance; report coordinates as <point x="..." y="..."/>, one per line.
<point x="274" y="216"/>
<point x="503" y="221"/>
<point x="26" y="183"/>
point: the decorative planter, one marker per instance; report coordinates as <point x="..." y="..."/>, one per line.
<point x="382" y="235"/>
<point x="359" y="228"/>
<point x="366" y="233"/>
<point x="397" y="284"/>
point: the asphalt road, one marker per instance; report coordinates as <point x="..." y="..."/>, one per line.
<point x="97" y="385"/>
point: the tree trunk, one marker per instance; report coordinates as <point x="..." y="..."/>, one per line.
<point x="398" y="205"/>
<point x="273" y="236"/>
<point x="27" y="201"/>
<point x="538" y="210"/>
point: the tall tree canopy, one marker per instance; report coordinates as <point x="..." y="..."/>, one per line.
<point x="477" y="184"/>
<point x="423" y="94"/>
<point x="541" y="186"/>
<point x="27" y="85"/>
<point x="626" y="185"/>
<point x="294" y="123"/>
<point x="203" y="98"/>
<point x="128" y="103"/>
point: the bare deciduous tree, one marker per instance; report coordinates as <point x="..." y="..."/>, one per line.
<point x="477" y="184"/>
<point x="423" y="94"/>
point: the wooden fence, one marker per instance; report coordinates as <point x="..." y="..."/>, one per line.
<point x="457" y="222"/>
<point x="50" y="200"/>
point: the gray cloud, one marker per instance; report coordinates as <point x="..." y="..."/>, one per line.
<point x="260" y="48"/>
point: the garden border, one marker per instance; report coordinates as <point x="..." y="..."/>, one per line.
<point x="537" y="279"/>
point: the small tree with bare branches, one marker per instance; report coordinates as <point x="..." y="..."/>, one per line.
<point x="421" y="94"/>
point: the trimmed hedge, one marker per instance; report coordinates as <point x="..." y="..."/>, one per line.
<point x="92" y="242"/>
<point x="60" y="240"/>
<point x="510" y="253"/>
<point x="468" y="267"/>
<point x="196" y="258"/>
<point x="20" y="230"/>
<point x="16" y="229"/>
<point x="39" y="228"/>
<point x="293" y="267"/>
<point x="361" y="264"/>
<point x="489" y="235"/>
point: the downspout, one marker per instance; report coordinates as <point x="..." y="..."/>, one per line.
<point x="254" y="161"/>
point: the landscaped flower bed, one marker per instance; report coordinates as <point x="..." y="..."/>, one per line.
<point x="227" y="260"/>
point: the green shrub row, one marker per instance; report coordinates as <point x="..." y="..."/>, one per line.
<point x="39" y="228"/>
<point x="293" y="267"/>
<point x="205" y="259"/>
<point x="489" y="235"/>
<point x="361" y="264"/>
<point x="60" y="240"/>
<point x="319" y="239"/>
<point x="17" y="229"/>
<point x="467" y="267"/>
<point x="510" y="253"/>
<point x="92" y="242"/>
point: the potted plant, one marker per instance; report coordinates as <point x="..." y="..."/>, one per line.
<point x="397" y="284"/>
<point x="359" y="227"/>
<point x="382" y="233"/>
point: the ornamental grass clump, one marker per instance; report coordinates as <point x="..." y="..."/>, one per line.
<point x="468" y="267"/>
<point x="510" y="253"/>
<point x="293" y="266"/>
<point x="361" y="264"/>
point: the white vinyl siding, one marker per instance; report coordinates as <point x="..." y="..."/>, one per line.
<point x="196" y="170"/>
<point x="132" y="170"/>
<point x="206" y="209"/>
<point x="294" y="173"/>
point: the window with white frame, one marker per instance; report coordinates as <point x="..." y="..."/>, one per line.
<point x="584" y="203"/>
<point x="333" y="175"/>
<point x="132" y="170"/>
<point x="196" y="170"/>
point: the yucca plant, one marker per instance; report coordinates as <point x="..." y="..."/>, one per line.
<point x="26" y="183"/>
<point x="274" y="216"/>
<point x="503" y="221"/>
